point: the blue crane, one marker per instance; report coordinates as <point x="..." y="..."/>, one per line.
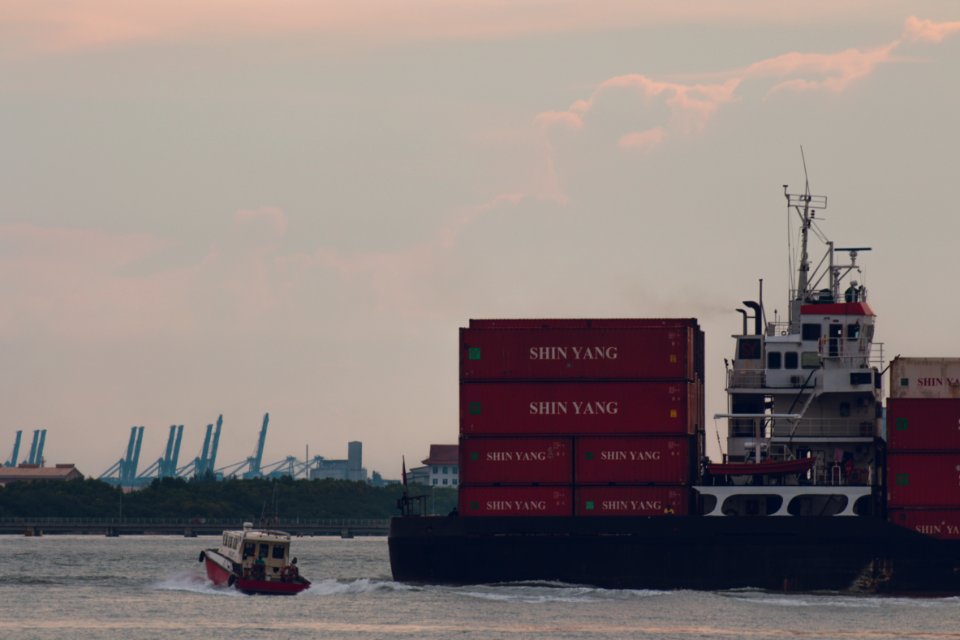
<point x="36" y="447"/>
<point x="166" y="466"/>
<point x="252" y="463"/>
<point x="214" y="446"/>
<point x="257" y="458"/>
<point x="12" y="462"/>
<point x="123" y="472"/>
<point x="203" y="463"/>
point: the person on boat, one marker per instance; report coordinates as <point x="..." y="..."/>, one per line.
<point x="852" y="294"/>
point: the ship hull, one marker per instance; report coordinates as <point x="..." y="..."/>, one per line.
<point x="221" y="573"/>
<point x="683" y="552"/>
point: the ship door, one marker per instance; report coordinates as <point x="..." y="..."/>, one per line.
<point x="836" y="332"/>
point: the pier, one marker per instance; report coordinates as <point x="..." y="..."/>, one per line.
<point x="189" y="527"/>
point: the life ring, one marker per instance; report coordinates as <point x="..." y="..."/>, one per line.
<point x="203" y="556"/>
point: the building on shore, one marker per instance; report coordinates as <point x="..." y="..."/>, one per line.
<point x="441" y="468"/>
<point x="349" y="469"/>
<point x="30" y="472"/>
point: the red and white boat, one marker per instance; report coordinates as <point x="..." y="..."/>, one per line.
<point x="254" y="561"/>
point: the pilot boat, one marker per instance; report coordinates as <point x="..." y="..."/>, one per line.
<point x="254" y="561"/>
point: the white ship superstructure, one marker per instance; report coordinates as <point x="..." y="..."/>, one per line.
<point x="805" y="392"/>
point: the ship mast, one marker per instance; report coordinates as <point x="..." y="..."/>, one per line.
<point x="806" y="206"/>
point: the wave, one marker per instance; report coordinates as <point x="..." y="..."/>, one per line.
<point x="537" y="592"/>
<point x="333" y="587"/>
<point x="838" y="601"/>
<point x="187" y="581"/>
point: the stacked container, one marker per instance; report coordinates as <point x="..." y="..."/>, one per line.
<point x="923" y="444"/>
<point x="580" y="417"/>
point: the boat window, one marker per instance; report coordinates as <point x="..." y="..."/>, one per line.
<point x="774" y="359"/>
<point x="868" y="332"/>
<point x="836" y="330"/>
<point x="264" y="550"/>
<point x="226" y="540"/>
<point x="748" y="349"/>
<point x="810" y="360"/>
<point x="853" y="331"/>
<point x="811" y="332"/>
<point x="249" y="549"/>
<point x="791" y="360"/>
<point x="279" y="551"/>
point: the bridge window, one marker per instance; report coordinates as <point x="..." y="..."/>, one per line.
<point x="748" y="349"/>
<point x="811" y="331"/>
<point x="279" y="551"/>
<point x="853" y="331"/>
<point x="773" y="359"/>
<point x="791" y="360"/>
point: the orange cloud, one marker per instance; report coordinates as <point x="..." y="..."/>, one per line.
<point x="71" y="25"/>
<point x="691" y="107"/>
<point x="830" y="71"/>
<point x="643" y="140"/>
<point x="918" y="30"/>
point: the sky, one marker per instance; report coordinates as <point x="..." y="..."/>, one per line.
<point x="243" y="206"/>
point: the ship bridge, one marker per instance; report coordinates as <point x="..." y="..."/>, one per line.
<point x="809" y="386"/>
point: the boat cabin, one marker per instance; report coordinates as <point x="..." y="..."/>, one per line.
<point x="261" y="554"/>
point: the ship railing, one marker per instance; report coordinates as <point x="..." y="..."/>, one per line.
<point x="856" y="359"/>
<point x="746" y="378"/>
<point x="825" y="427"/>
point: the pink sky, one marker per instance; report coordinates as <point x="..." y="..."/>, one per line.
<point x="190" y="224"/>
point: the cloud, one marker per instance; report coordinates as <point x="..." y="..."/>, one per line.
<point x="918" y="30"/>
<point x="65" y="26"/>
<point x="643" y="140"/>
<point x="672" y="110"/>
<point x="815" y="71"/>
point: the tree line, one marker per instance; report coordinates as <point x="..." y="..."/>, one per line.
<point x="209" y="498"/>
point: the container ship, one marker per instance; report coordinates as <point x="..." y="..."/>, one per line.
<point x="583" y="454"/>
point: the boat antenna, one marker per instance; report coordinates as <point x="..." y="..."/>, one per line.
<point x="806" y="206"/>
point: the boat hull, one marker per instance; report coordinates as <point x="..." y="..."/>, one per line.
<point x="682" y="552"/>
<point x="221" y="572"/>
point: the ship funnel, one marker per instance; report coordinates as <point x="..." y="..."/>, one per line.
<point x="743" y="312"/>
<point x="757" y="316"/>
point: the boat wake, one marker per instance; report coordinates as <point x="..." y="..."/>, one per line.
<point x="537" y="592"/>
<point x="332" y="587"/>
<point x="187" y="581"/>
<point x="839" y="601"/>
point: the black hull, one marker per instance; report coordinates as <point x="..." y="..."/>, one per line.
<point x="684" y="552"/>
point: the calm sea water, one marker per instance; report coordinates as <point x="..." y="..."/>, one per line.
<point x="153" y="587"/>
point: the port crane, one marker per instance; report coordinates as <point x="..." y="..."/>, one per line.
<point x="253" y="462"/>
<point x="12" y="462"/>
<point x="123" y="472"/>
<point x="165" y="467"/>
<point x="204" y="463"/>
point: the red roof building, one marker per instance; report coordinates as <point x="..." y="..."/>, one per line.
<point x="443" y="465"/>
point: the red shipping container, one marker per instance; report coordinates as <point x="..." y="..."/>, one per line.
<point x="923" y="424"/>
<point x="516" y="460"/>
<point x="943" y="524"/>
<point x="650" y="353"/>
<point x="580" y="408"/>
<point x="923" y="480"/>
<point x="515" y="501"/>
<point x="632" y="460"/>
<point x="631" y="501"/>
<point x="582" y="323"/>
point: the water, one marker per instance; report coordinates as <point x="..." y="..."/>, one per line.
<point x="153" y="587"/>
